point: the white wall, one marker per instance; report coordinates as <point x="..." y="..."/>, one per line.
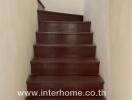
<point x="18" y="23"/>
<point x="65" y="6"/>
<point x="121" y="43"/>
<point x="112" y="25"/>
<point x="97" y="11"/>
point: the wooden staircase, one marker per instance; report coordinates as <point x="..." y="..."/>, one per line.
<point x="64" y="57"/>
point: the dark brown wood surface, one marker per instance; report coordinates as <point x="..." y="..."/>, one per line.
<point x="64" y="57"/>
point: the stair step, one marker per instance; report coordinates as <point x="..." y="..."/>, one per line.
<point x="57" y="16"/>
<point x="78" y="33"/>
<point x="61" y="51"/>
<point x="66" y="98"/>
<point x="70" y="83"/>
<point x="64" y="57"/>
<point x="64" y="26"/>
<point x="59" y="38"/>
<point x="65" y="67"/>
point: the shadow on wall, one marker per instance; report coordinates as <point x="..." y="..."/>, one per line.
<point x="65" y="6"/>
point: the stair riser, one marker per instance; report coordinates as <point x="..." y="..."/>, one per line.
<point x="49" y="16"/>
<point x="64" y="27"/>
<point x="65" y="33"/>
<point x="74" y="52"/>
<point x="65" y="68"/>
<point x="64" y="38"/>
<point x="64" y="58"/>
<point x="56" y="87"/>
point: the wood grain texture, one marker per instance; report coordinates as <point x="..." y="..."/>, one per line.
<point x="56" y="16"/>
<point x="64" y="57"/>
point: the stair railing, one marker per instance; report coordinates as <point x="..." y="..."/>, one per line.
<point x="40" y="5"/>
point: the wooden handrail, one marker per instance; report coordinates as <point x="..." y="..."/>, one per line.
<point x="41" y="4"/>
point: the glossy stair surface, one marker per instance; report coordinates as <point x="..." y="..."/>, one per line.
<point x="64" y="26"/>
<point x="64" y="57"/>
<point x="65" y="66"/>
<point x="64" y="38"/>
<point x="55" y="16"/>
<point x="72" y="83"/>
<point x="61" y="51"/>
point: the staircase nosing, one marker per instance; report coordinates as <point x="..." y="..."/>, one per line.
<point x="65" y="45"/>
<point x="56" y="60"/>
<point x="64" y="33"/>
<point x="67" y="22"/>
<point x="65" y="78"/>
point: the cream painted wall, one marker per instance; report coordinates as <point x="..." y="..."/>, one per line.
<point x="97" y="11"/>
<point x="18" y="23"/>
<point x="66" y="6"/>
<point x="112" y="27"/>
<point x="111" y="24"/>
<point x="121" y="45"/>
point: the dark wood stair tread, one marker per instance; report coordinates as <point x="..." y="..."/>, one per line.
<point x="60" y="13"/>
<point x="65" y="66"/>
<point x="64" y="38"/>
<point x="65" y="33"/>
<point x="64" y="56"/>
<point x="64" y="26"/>
<point x="64" y="50"/>
<point x="67" y="22"/>
<point x="69" y="33"/>
<point x="65" y="45"/>
<point x="66" y="60"/>
<point x="78" y="83"/>
<point x="57" y="16"/>
<point x="65" y="79"/>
